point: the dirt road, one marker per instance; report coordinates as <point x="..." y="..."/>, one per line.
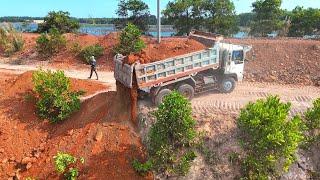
<point x="301" y="97"/>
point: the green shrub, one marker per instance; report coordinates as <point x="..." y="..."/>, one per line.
<point x="60" y="20"/>
<point x="76" y="48"/>
<point x="87" y="52"/>
<point x="130" y="41"/>
<point x="49" y="44"/>
<point x="65" y="164"/>
<point x="142" y="168"/>
<point x="271" y="139"/>
<point x="56" y="101"/>
<point x="172" y="136"/>
<point x="312" y="117"/>
<point x="10" y="40"/>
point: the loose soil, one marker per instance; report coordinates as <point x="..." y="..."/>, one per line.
<point x="287" y="61"/>
<point x="102" y="137"/>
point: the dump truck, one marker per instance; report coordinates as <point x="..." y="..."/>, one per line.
<point x="218" y="67"/>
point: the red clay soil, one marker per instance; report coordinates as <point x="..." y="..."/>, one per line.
<point x="28" y="144"/>
<point x="288" y="61"/>
<point x="169" y="47"/>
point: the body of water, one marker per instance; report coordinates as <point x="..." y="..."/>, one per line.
<point x="104" y="29"/>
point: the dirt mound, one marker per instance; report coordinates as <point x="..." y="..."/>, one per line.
<point x="27" y="144"/>
<point x="169" y="47"/>
<point x="288" y="61"/>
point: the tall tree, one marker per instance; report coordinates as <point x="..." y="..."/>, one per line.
<point x="304" y="21"/>
<point x="185" y="15"/>
<point x="216" y="16"/>
<point x="222" y="17"/>
<point x="267" y="17"/>
<point x="133" y="11"/>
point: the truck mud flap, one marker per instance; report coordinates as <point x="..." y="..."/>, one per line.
<point x="123" y="72"/>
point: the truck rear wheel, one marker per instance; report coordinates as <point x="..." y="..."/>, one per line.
<point x="186" y="90"/>
<point x="227" y="85"/>
<point x="161" y="95"/>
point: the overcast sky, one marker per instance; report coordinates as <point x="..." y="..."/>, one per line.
<point x="107" y="8"/>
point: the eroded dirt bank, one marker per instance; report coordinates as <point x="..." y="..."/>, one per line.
<point x="98" y="133"/>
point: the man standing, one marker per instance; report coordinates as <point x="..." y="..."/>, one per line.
<point x="93" y="64"/>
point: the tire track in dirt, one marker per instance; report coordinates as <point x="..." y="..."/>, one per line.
<point x="301" y="97"/>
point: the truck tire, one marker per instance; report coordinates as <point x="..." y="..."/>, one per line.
<point x="160" y="96"/>
<point x="227" y="85"/>
<point x="186" y="90"/>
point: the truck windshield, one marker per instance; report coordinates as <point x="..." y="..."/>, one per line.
<point x="237" y="57"/>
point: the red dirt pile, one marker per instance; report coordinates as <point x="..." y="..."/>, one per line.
<point x="28" y="144"/>
<point x="287" y="61"/>
<point x="169" y="47"/>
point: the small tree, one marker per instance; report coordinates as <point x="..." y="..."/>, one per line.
<point x="87" y="52"/>
<point x="49" y="44"/>
<point x="60" y="20"/>
<point x="56" y="101"/>
<point x="130" y="41"/>
<point x="171" y="138"/>
<point x="66" y="164"/>
<point x="313" y="120"/>
<point x="10" y="40"/>
<point x="270" y="138"/>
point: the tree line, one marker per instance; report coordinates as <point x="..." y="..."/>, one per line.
<point x="217" y="16"/>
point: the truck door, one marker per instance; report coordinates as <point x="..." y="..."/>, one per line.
<point x="236" y="64"/>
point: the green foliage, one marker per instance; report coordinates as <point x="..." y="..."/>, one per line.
<point x="133" y="11"/>
<point x="87" y="52"/>
<point x="49" y="44"/>
<point x="65" y="164"/>
<point x="271" y="139"/>
<point x="222" y="17"/>
<point x="142" y="168"/>
<point x="172" y="134"/>
<point x="56" y="101"/>
<point x="10" y="40"/>
<point x="304" y="21"/>
<point x="218" y="16"/>
<point x="60" y="20"/>
<point x="267" y="17"/>
<point x="312" y="117"/>
<point x="130" y="41"/>
<point x="185" y="163"/>
<point x="76" y="48"/>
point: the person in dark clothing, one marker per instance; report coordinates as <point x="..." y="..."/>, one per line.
<point x="93" y="64"/>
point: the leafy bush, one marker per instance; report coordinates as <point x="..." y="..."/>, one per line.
<point x="130" y="41"/>
<point x="60" y="20"/>
<point x="10" y="40"/>
<point x="49" y="44"/>
<point x="76" y="48"/>
<point x="172" y="138"/>
<point x="65" y="164"/>
<point x="142" y="168"/>
<point x="312" y="117"/>
<point x="95" y="50"/>
<point x="271" y="139"/>
<point x="56" y="101"/>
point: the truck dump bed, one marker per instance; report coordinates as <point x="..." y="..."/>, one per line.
<point x="156" y="73"/>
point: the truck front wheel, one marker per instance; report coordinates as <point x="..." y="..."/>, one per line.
<point x="227" y="85"/>
<point x="186" y="90"/>
<point x="161" y="95"/>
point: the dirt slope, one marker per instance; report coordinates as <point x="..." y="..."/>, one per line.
<point x="288" y="61"/>
<point x="27" y="144"/>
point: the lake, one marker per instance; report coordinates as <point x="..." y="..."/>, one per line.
<point x="104" y="29"/>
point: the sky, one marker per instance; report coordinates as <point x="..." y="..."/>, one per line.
<point x="107" y="8"/>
